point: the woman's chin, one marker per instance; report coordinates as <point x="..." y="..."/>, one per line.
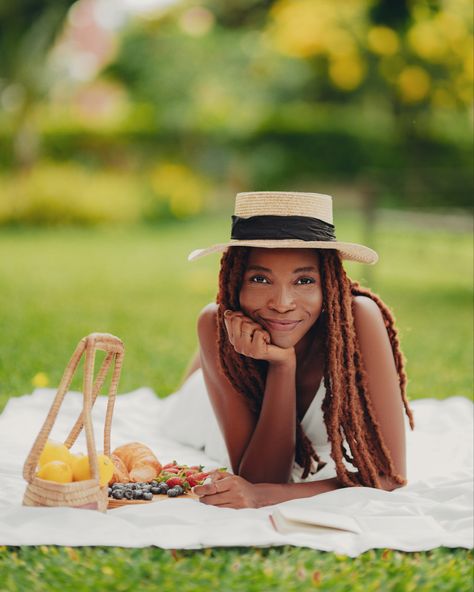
<point x="283" y="342"/>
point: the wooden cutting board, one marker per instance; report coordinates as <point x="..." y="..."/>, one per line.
<point x="114" y="503"/>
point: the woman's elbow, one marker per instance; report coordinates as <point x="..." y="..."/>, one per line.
<point x="390" y="483"/>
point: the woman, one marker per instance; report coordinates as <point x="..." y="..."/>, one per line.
<point x="290" y="326"/>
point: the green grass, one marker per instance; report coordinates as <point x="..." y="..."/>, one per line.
<point x="285" y="569"/>
<point x="58" y="285"/>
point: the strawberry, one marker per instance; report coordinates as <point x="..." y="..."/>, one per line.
<point x="169" y="465"/>
<point x="173" y="470"/>
<point x="196" y="479"/>
<point x="175" y="481"/>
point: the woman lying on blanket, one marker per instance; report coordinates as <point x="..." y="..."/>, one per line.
<point x="287" y="317"/>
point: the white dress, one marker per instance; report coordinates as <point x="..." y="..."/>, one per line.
<point x="190" y="409"/>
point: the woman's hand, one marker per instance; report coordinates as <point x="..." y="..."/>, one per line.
<point x="252" y="340"/>
<point x="228" y="491"/>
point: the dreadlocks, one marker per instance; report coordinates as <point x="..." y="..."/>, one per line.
<point x="350" y="421"/>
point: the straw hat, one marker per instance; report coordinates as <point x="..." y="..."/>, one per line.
<point x="279" y="219"/>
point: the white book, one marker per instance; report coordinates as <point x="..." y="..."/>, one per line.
<point x="290" y="520"/>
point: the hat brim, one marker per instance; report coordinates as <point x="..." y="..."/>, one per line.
<point x="349" y="251"/>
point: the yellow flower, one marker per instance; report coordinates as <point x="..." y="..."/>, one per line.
<point x="414" y="84"/>
<point x="427" y="42"/>
<point x="40" y="380"/>
<point x="305" y="28"/>
<point x="383" y="41"/>
<point x="183" y="188"/>
<point x="347" y="72"/>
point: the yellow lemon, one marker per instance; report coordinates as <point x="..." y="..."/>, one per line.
<point x="82" y="471"/>
<point x="56" y="470"/>
<point x="75" y="458"/>
<point x="54" y="451"/>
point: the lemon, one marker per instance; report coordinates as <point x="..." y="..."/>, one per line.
<point x="56" y="470"/>
<point x="75" y="458"/>
<point x="82" y="472"/>
<point x="54" y="451"/>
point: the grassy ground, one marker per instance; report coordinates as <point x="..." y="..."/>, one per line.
<point x="58" y="285"/>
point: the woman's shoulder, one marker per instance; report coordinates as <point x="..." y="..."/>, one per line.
<point x="366" y="311"/>
<point x="207" y="323"/>
<point x="370" y="327"/>
<point x="208" y="314"/>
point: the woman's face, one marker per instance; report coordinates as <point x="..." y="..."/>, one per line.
<point x="281" y="290"/>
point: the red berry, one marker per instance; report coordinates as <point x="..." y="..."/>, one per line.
<point x="197" y="478"/>
<point x="175" y="481"/>
<point x="170" y="465"/>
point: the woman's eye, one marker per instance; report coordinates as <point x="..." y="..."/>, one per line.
<point x="259" y="279"/>
<point x="305" y="281"/>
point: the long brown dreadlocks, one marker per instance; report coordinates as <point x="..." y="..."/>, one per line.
<point x="347" y="409"/>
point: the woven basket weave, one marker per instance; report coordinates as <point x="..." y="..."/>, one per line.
<point x="79" y="494"/>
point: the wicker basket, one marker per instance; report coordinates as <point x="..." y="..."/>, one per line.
<point x="79" y="494"/>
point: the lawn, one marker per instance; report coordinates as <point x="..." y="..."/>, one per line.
<point x="57" y="285"/>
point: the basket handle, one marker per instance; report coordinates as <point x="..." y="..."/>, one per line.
<point x="114" y="348"/>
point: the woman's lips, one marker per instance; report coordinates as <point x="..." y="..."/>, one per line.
<point x="275" y="325"/>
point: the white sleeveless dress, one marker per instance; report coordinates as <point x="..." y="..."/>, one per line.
<point x="191" y="409"/>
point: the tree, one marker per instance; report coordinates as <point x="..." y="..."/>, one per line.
<point x="28" y="30"/>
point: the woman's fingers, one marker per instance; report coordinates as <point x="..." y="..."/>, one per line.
<point x="247" y="336"/>
<point x="261" y="341"/>
<point x="239" y="326"/>
<point x="218" y="499"/>
<point x="215" y="487"/>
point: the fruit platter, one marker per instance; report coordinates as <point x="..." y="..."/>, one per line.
<point x="132" y="473"/>
<point x="139" y="477"/>
<point x="173" y="481"/>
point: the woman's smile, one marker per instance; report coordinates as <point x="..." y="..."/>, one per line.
<point x="279" y="325"/>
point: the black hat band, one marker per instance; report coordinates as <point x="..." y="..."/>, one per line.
<point x="281" y="227"/>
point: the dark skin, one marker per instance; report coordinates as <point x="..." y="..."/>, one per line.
<point x="281" y="300"/>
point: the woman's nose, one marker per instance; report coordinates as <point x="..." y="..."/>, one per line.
<point x="281" y="300"/>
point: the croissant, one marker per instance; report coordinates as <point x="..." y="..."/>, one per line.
<point x="120" y="471"/>
<point x="139" y="460"/>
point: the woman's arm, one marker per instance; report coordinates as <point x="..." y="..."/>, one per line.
<point x="260" y="449"/>
<point x="232" y="491"/>
<point x="383" y="380"/>
<point x="384" y="392"/>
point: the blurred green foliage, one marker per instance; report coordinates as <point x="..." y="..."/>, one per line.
<point x="53" y="194"/>
<point x="210" y="98"/>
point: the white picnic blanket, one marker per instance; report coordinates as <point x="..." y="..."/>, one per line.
<point x="439" y="490"/>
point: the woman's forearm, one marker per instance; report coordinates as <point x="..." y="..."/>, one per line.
<point x="269" y="455"/>
<point x="268" y="494"/>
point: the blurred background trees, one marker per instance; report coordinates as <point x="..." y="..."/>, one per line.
<point x="167" y="112"/>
